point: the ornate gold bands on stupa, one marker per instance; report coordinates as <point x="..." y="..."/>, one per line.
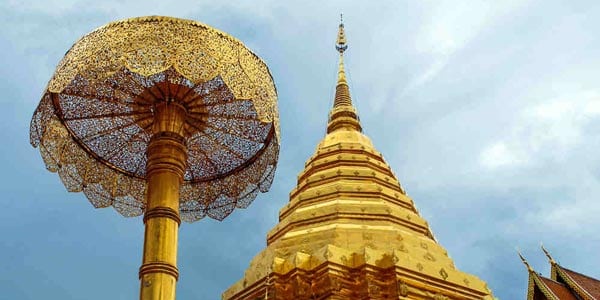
<point x="342" y="92"/>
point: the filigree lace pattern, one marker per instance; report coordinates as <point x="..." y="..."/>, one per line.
<point x="94" y="121"/>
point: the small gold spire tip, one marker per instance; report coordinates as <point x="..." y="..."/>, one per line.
<point x="340" y="44"/>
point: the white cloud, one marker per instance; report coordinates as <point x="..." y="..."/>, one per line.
<point x="450" y="26"/>
<point x="498" y="155"/>
<point x="569" y="216"/>
<point x="546" y="131"/>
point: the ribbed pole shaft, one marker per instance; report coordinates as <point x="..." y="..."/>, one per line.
<point x="165" y="168"/>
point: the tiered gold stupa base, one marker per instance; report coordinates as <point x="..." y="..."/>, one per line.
<point x="351" y="232"/>
<point x="336" y="273"/>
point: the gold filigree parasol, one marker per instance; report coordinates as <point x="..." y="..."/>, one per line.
<point x="161" y="116"/>
<point x="94" y="122"/>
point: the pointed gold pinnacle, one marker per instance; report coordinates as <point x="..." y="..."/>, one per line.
<point x="529" y="268"/>
<point x="552" y="261"/>
<point x="340" y="44"/>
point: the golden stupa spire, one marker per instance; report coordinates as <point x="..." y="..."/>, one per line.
<point x="341" y="46"/>
<point x="349" y="230"/>
<point x="343" y="113"/>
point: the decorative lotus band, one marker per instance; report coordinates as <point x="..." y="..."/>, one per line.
<point x="159" y="267"/>
<point x="166" y="151"/>
<point x="162" y="212"/>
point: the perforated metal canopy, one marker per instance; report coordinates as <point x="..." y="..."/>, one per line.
<point x="94" y="121"/>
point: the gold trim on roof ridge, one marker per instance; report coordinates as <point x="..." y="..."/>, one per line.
<point x="572" y="283"/>
<point x="543" y="287"/>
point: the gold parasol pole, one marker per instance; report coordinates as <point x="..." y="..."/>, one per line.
<point x="167" y="155"/>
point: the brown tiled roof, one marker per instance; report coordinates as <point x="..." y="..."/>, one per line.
<point x="558" y="289"/>
<point x="589" y="284"/>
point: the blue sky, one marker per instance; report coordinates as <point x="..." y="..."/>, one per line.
<point x="488" y="112"/>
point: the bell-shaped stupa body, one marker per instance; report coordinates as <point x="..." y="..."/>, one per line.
<point x="350" y="231"/>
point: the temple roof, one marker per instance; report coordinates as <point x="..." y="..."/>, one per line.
<point x="586" y="286"/>
<point x="559" y="290"/>
<point x="565" y="284"/>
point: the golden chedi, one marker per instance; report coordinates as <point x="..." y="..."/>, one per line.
<point x="350" y="231"/>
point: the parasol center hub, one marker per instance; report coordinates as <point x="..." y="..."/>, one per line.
<point x="167" y="150"/>
<point x="169" y="116"/>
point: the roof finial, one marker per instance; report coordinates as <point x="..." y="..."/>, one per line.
<point x="529" y="268"/>
<point x="547" y="254"/>
<point x="340" y="44"/>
